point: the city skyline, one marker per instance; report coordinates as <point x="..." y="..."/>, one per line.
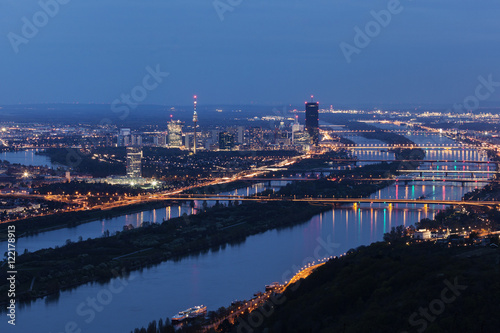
<point x="230" y="166"/>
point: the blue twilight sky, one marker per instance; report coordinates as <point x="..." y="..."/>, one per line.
<point x="273" y="51"/>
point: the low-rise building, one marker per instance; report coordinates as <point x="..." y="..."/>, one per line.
<point x="422" y="234"/>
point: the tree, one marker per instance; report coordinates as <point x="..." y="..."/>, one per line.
<point x="397" y="234"/>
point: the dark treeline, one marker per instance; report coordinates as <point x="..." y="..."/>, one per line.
<point x="226" y="187"/>
<point x="322" y="160"/>
<point x="80" y="187"/>
<point x="469" y="126"/>
<point x="84" y="163"/>
<point x="160" y="327"/>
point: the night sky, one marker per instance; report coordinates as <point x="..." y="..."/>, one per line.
<point x="248" y="51"/>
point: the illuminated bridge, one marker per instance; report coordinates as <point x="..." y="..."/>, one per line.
<point x="333" y="200"/>
<point x="416" y="161"/>
<point x="448" y="171"/>
<point x="358" y="179"/>
<point x="408" y="146"/>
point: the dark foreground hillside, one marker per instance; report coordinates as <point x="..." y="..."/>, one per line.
<point x="391" y="288"/>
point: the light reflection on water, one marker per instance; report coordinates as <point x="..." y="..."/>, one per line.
<point x="27" y="157"/>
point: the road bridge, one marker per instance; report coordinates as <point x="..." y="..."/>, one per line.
<point x="409" y="146"/>
<point x="472" y="173"/>
<point x="209" y="197"/>
<point x="340" y="160"/>
<point x="371" y="179"/>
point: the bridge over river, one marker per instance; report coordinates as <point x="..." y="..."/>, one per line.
<point x="323" y="200"/>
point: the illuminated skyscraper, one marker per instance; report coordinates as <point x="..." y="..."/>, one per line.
<point x="195" y="120"/>
<point x="312" y="121"/>
<point x="175" y="133"/>
<point x="134" y="162"/>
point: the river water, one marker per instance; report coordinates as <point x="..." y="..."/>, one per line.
<point x="236" y="272"/>
<point x="27" y="157"/>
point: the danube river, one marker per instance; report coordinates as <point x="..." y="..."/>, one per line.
<point x="27" y="157"/>
<point x="236" y="272"/>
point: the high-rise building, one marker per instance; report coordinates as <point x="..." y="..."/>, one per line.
<point x="160" y="140"/>
<point x="136" y="140"/>
<point x="302" y="139"/>
<point x="134" y="162"/>
<point x="195" y="121"/>
<point x="188" y="141"/>
<point x="226" y="141"/>
<point x="295" y="128"/>
<point x="123" y="137"/>
<point x="175" y="133"/>
<point x="312" y="121"/>
<point x="241" y="132"/>
<point x="255" y="139"/>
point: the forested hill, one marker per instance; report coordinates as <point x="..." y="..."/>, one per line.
<point x="392" y="288"/>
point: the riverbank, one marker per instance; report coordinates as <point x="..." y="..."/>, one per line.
<point x="35" y="225"/>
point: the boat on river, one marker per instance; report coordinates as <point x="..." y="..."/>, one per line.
<point x="272" y="286"/>
<point x="195" y="311"/>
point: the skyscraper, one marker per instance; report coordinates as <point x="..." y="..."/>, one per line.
<point x="134" y="162"/>
<point x="312" y="121"/>
<point x="195" y="120"/>
<point x="226" y="141"/>
<point x="241" y="133"/>
<point x="175" y="133"/>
